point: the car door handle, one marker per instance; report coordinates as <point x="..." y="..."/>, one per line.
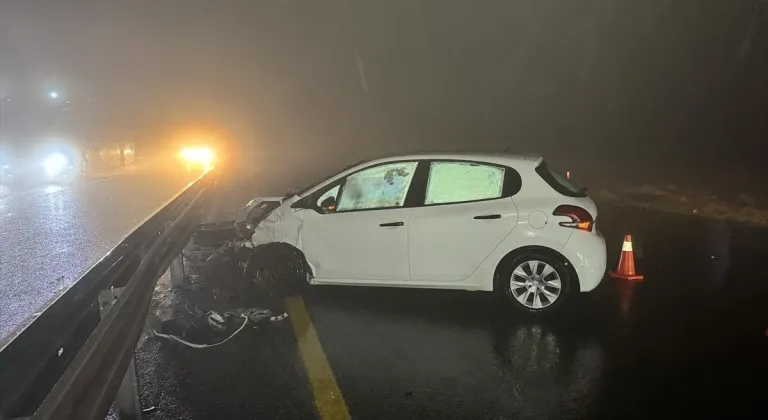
<point x="392" y="224"/>
<point x="488" y="217"/>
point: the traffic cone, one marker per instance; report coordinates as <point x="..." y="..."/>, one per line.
<point x="626" y="269"/>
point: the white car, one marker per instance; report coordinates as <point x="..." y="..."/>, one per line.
<point x="491" y="222"/>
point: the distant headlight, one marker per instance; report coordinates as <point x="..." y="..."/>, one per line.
<point x="55" y="164"/>
<point x="201" y="155"/>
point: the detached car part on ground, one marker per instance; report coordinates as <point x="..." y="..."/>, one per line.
<point x="230" y="285"/>
<point x="503" y="223"/>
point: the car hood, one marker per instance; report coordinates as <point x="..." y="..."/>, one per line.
<point x="255" y="203"/>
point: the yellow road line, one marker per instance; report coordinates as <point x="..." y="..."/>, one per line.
<point x="328" y="399"/>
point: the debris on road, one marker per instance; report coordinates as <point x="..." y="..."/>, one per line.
<point x="232" y="282"/>
<point x="201" y="332"/>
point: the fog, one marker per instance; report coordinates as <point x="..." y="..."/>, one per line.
<point x="299" y="81"/>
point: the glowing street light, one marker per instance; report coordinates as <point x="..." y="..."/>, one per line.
<point x="54" y="95"/>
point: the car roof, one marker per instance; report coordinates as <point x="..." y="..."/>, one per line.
<point x="508" y="159"/>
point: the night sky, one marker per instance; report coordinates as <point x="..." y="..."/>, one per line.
<point x="676" y="81"/>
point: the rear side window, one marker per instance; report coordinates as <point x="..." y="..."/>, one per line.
<point x="559" y="182"/>
<point x="457" y="182"/>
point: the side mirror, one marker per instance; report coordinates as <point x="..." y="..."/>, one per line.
<point x="302" y="204"/>
<point x="329" y="204"/>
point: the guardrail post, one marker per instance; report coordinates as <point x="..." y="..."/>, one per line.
<point x="177" y="271"/>
<point x="128" y="399"/>
<point x="177" y="266"/>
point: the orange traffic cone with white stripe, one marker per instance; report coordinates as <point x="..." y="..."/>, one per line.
<point x="626" y="269"/>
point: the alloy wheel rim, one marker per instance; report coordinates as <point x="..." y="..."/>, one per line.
<point x="535" y="284"/>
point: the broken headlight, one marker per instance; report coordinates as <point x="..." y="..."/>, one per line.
<point x="252" y="214"/>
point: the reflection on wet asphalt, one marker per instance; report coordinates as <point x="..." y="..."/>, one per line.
<point x="50" y="234"/>
<point x="689" y="340"/>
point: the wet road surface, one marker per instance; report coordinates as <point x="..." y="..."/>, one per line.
<point x="50" y="234"/>
<point x="687" y="341"/>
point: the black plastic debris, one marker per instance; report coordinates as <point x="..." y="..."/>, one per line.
<point x="215" y="234"/>
<point x="232" y="284"/>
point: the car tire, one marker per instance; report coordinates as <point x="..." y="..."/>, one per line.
<point x="533" y="293"/>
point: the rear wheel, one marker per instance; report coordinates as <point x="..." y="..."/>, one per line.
<point x="535" y="282"/>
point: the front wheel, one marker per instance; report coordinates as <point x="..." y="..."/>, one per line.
<point x="535" y="282"/>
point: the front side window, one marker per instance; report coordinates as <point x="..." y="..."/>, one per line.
<point x="333" y="192"/>
<point x="302" y="191"/>
<point x="457" y="182"/>
<point x="382" y="186"/>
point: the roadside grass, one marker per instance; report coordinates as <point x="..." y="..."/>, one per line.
<point x="740" y="207"/>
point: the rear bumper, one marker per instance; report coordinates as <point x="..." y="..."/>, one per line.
<point x="586" y="252"/>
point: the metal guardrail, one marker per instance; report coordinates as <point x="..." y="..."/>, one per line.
<point x="68" y="363"/>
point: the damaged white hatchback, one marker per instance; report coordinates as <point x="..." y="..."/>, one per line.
<point x="491" y="222"/>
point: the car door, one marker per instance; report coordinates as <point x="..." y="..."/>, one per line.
<point x="467" y="211"/>
<point x="364" y="236"/>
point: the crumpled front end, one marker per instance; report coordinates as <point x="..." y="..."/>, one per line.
<point x="283" y="224"/>
<point x="241" y="273"/>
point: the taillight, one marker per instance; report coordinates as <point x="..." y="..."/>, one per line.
<point x="580" y="218"/>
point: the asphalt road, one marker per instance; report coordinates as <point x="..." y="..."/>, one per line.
<point x="688" y="341"/>
<point x="50" y="234"/>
